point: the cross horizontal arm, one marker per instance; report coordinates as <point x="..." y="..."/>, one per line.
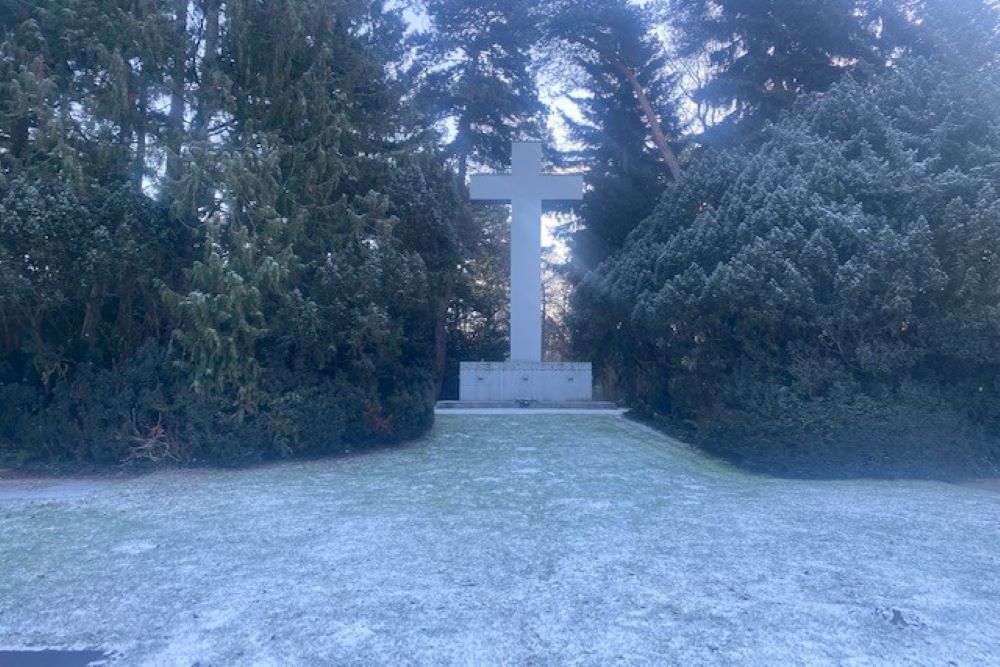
<point x="504" y="187"/>
<point x="568" y="187"/>
<point x="492" y="187"/>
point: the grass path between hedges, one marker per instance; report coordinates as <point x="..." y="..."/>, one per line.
<point x="513" y="538"/>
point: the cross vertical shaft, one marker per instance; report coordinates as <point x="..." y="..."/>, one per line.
<point x="526" y="280"/>
<point x="526" y="188"/>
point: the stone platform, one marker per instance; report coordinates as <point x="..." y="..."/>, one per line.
<point x="561" y="407"/>
<point x="525" y="381"/>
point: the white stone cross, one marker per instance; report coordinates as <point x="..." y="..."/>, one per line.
<point x="526" y="187"/>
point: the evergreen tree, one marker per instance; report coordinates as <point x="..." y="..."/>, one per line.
<point x="626" y="172"/>
<point x="765" y="53"/>
<point x="479" y="312"/>
<point x="312" y="114"/>
<point x="476" y="74"/>
<point x="435" y="222"/>
<point x="221" y="232"/>
<point x="79" y="78"/>
<point x="611" y="42"/>
<point x="965" y="32"/>
<point x="828" y="296"/>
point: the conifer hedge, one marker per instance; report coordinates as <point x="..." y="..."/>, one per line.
<point x="223" y="235"/>
<point x="830" y="296"/>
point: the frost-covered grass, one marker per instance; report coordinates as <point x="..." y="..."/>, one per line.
<point x="525" y="539"/>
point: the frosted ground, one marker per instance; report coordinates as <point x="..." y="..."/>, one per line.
<point x="518" y="539"/>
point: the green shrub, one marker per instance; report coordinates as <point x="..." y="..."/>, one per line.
<point x="118" y="345"/>
<point x="845" y="275"/>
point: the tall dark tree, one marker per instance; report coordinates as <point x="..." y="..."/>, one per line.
<point x="611" y="40"/>
<point x="479" y="313"/>
<point x="765" y="53"/>
<point x="966" y="32"/>
<point x="477" y="76"/>
<point x="627" y="116"/>
<point x="79" y="78"/>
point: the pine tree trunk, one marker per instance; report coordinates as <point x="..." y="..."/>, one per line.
<point x="462" y="147"/>
<point x="11" y="330"/>
<point x="139" y="164"/>
<point x="441" y="335"/>
<point x="177" y="76"/>
<point x="123" y="318"/>
<point x="19" y="137"/>
<point x="92" y="313"/>
<point x="646" y="108"/>
<point x="199" y="124"/>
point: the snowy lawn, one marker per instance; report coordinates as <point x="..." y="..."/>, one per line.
<point x="522" y="539"/>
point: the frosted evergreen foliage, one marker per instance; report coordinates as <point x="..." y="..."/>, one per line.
<point x="847" y="269"/>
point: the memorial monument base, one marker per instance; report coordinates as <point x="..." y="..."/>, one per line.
<point x="481" y="381"/>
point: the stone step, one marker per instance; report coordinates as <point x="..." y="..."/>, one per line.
<point x="527" y="405"/>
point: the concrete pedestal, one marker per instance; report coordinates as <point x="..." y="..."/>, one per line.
<point x="525" y="381"/>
